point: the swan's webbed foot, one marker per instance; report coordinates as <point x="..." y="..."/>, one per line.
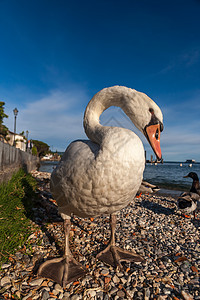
<point x="185" y="216"/>
<point x="114" y="255"/>
<point x="62" y="270"/>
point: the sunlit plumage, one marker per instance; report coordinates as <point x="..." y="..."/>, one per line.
<point x="102" y="175"/>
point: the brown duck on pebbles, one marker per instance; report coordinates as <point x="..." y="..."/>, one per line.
<point x="147" y="188"/>
<point x="195" y="188"/>
<point x="103" y="174"/>
<point x="190" y="201"/>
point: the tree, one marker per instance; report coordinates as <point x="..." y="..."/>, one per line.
<point x="34" y="151"/>
<point x="3" y="128"/>
<point x="42" y="148"/>
<point x="22" y="133"/>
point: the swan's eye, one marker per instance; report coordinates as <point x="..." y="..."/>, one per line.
<point x="157" y="134"/>
<point x="151" y="111"/>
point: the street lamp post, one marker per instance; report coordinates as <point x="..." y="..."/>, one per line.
<point x="27" y="132"/>
<point x="15" y="111"/>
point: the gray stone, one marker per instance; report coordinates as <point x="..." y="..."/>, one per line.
<point x="92" y="293"/>
<point x="18" y="255"/>
<point x="123" y="280"/>
<point x="166" y="291"/>
<point x="18" y="294"/>
<point x="13" y="289"/>
<point x="66" y="294"/>
<point x="60" y="296"/>
<point x="116" y="279"/>
<point x="5" y="266"/>
<point x="185" y="267"/>
<point x="75" y="297"/>
<point x="131" y="293"/>
<point x="113" y="290"/>
<point x="36" y="282"/>
<point x="99" y="295"/>
<point x="55" y="292"/>
<point x="5" y="280"/>
<point x="27" y="296"/>
<point x="50" y="283"/>
<point x="45" y="295"/>
<point x="146" y="293"/>
<point x="5" y="288"/>
<point x="120" y="274"/>
<point x="160" y="230"/>
<point x="26" y="259"/>
<point x="24" y="273"/>
<point x="105" y="272"/>
<point x="58" y="287"/>
<point x="120" y="294"/>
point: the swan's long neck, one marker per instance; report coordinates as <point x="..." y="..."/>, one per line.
<point x="114" y="96"/>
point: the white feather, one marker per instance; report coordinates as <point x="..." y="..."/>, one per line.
<point x="103" y="174"/>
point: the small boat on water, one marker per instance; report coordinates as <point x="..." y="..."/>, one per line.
<point x="47" y="157"/>
<point x="190" y="161"/>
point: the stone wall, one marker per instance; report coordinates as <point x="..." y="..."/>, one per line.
<point x="12" y="159"/>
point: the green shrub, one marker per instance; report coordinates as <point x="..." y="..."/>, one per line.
<point x="16" y="202"/>
<point x="34" y="151"/>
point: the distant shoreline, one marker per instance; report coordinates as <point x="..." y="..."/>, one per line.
<point x="168" y="176"/>
<point x="176" y="162"/>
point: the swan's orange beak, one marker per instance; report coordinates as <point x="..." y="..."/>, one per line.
<point x="153" y="136"/>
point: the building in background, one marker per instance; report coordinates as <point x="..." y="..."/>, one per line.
<point x="20" y="140"/>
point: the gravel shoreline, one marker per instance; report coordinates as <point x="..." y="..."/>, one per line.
<point x="151" y="225"/>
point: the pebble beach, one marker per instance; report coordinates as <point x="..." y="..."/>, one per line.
<point x="151" y="226"/>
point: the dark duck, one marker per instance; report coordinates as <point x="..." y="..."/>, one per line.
<point x="195" y="188"/>
<point x="190" y="201"/>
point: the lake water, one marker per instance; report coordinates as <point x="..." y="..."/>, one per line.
<point x="168" y="176"/>
<point x="48" y="166"/>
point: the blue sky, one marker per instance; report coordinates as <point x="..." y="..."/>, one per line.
<point x="55" y="55"/>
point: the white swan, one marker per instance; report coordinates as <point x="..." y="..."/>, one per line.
<point x="102" y="175"/>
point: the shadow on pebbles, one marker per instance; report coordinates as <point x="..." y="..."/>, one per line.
<point x="150" y="225"/>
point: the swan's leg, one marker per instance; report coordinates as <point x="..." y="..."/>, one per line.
<point x="64" y="269"/>
<point x="112" y="254"/>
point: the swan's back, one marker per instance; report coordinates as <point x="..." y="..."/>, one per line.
<point x="103" y="175"/>
<point x="92" y="180"/>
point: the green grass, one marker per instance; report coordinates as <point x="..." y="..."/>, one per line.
<point x="16" y="202"/>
